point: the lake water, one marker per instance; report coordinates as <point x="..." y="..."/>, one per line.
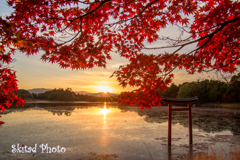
<point x="109" y="131"/>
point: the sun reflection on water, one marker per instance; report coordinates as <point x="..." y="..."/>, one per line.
<point x="103" y="140"/>
<point x="105" y="111"/>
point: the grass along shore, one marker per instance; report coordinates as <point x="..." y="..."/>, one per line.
<point x="233" y="154"/>
<point x="222" y="105"/>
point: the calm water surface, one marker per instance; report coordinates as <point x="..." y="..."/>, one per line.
<point x="109" y="131"/>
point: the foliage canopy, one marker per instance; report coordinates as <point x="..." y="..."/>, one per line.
<point x="82" y="34"/>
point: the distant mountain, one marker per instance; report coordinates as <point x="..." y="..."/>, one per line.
<point x="38" y="90"/>
<point x="102" y="94"/>
<point x="99" y="94"/>
<point x="82" y="92"/>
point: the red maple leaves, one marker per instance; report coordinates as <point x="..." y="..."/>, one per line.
<point x="84" y="34"/>
<point x="8" y="81"/>
<point x="8" y="90"/>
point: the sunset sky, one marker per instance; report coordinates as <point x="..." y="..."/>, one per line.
<point x="34" y="73"/>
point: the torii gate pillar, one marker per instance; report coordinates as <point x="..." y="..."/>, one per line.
<point x="170" y="102"/>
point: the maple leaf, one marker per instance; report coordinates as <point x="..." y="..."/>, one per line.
<point x="52" y="33"/>
<point x="8" y="104"/>
<point x="1" y="123"/>
<point x="2" y="109"/>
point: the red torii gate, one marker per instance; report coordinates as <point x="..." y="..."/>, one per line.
<point x="170" y="102"/>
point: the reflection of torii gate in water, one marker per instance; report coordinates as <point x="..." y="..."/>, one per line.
<point x="170" y="102"/>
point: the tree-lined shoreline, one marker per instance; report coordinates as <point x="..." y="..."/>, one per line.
<point x="66" y="95"/>
<point x="207" y="91"/>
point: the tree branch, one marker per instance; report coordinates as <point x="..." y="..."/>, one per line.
<point x="222" y="25"/>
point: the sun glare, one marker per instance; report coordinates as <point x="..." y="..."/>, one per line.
<point x="104" y="89"/>
<point x="104" y="111"/>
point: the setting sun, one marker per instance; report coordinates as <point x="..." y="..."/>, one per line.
<point x="104" y="89"/>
